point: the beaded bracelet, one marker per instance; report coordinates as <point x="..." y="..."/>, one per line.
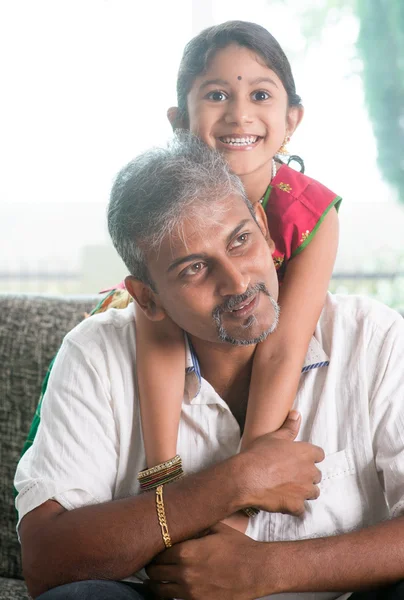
<point x="165" y="472"/>
<point x="170" y="471"/>
<point x="251" y="511"/>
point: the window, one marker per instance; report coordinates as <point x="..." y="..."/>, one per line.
<point x="88" y="84"/>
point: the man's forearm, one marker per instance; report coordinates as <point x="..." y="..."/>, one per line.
<point x="363" y="559"/>
<point x="115" y="539"/>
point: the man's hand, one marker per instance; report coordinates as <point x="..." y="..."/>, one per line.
<point x="280" y="474"/>
<point x="222" y="565"/>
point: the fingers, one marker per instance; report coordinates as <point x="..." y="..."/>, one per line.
<point x="160" y="572"/>
<point x="313" y="453"/>
<point x="165" y="581"/>
<point x="167" y="557"/>
<point x="314" y="493"/>
<point x="297" y="507"/>
<point x="291" y="426"/>
<point x="166" y="590"/>
<point x="317" y="476"/>
<point x="319" y="454"/>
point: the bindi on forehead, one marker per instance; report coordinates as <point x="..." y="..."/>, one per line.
<point x="239" y="78"/>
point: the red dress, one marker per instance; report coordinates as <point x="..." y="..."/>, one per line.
<point x="295" y="206"/>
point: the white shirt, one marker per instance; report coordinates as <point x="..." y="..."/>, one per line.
<point x="89" y="446"/>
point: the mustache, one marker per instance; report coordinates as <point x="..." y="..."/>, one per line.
<point x="234" y="301"/>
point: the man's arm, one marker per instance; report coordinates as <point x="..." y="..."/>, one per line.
<point x="363" y="559"/>
<point x="112" y="540"/>
<point x="371" y="557"/>
<point x="115" y="539"/>
<point x="227" y="564"/>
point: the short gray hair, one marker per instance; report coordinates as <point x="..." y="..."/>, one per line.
<point x="155" y="191"/>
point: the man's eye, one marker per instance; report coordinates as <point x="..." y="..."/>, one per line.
<point x="240" y="240"/>
<point x="260" y="96"/>
<point x="194" y="269"/>
<point x="217" y="96"/>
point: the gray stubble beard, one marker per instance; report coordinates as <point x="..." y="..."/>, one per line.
<point x="224" y="336"/>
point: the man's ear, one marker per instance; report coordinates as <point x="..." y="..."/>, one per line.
<point x="294" y="118"/>
<point x="148" y="300"/>
<point x="262" y="220"/>
<point x="174" y="118"/>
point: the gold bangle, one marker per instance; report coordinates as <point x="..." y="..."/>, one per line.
<point x="161" y="514"/>
<point x="251" y="511"/>
<point x="176" y="460"/>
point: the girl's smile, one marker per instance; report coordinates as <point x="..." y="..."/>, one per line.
<point x="237" y="142"/>
<point x="240" y="106"/>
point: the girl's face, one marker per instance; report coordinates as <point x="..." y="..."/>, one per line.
<point x="240" y="107"/>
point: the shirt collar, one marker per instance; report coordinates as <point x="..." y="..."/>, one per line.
<point x="316" y="358"/>
<point x="193" y="377"/>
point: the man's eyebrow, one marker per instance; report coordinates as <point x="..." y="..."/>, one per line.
<point x="259" y="80"/>
<point x="185" y="259"/>
<point x="235" y="231"/>
<point x="212" y="82"/>
<point x="201" y="256"/>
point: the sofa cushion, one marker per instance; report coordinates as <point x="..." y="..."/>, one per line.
<point x="31" y="331"/>
<point x="13" y="589"/>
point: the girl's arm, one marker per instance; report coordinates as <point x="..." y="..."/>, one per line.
<point x="278" y="361"/>
<point x="160" y="362"/>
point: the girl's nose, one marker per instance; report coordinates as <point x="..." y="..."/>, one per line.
<point x="238" y="113"/>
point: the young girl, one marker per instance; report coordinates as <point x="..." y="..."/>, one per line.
<point x="237" y="93"/>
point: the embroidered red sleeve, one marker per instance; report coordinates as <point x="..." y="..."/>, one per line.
<point x="296" y="208"/>
<point x="312" y="207"/>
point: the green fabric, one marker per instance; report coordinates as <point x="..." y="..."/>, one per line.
<point x="266" y="197"/>
<point x="37" y="416"/>
<point x="336" y="202"/>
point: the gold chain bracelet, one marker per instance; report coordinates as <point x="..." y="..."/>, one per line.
<point x="161" y="514"/>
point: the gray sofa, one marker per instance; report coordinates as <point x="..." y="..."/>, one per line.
<point x="31" y="330"/>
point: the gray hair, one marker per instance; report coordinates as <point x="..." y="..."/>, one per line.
<point x="153" y="194"/>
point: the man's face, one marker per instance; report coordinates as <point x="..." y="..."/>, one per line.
<point x="215" y="276"/>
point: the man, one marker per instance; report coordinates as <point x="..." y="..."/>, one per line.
<point x="194" y="246"/>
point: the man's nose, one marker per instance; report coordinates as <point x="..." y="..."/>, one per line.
<point x="232" y="279"/>
<point x="239" y="112"/>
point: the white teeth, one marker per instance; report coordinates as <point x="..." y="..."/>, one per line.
<point x="240" y="141"/>
<point x="240" y="307"/>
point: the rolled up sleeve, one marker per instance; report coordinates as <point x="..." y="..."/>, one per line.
<point x="74" y="455"/>
<point x="387" y="415"/>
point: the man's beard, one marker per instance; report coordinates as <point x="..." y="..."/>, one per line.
<point x="234" y="301"/>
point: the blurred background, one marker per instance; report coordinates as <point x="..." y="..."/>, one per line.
<point x="86" y="85"/>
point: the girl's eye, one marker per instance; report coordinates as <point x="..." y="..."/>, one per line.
<point x="194" y="269"/>
<point x="240" y="240"/>
<point x="260" y="96"/>
<point x="217" y="96"/>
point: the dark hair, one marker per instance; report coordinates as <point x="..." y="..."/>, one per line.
<point x="202" y="48"/>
